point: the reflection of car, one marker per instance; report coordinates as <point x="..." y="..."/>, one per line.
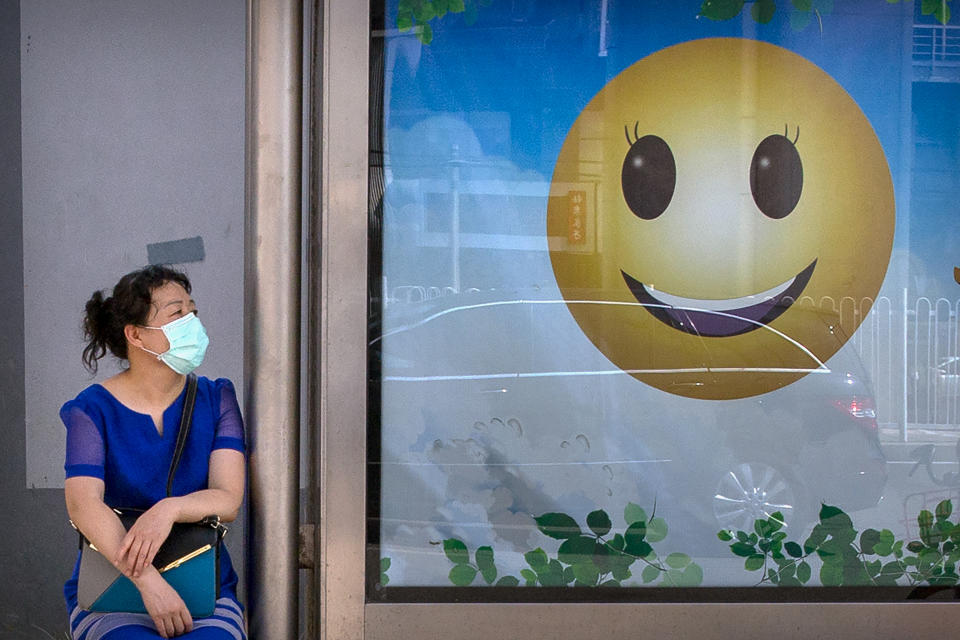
<point x="458" y="368"/>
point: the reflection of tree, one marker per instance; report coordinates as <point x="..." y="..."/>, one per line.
<point x="417" y="14"/>
<point x="803" y="11"/>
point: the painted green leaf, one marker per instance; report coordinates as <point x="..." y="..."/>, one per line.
<point x="552" y="575"/>
<point x="634" y="539"/>
<point x="404" y="21"/>
<point x="788" y="570"/>
<point x="621" y="573"/>
<point x="762" y="11"/>
<point x="754" y="562"/>
<point x="649" y="574"/>
<point x="742" y="536"/>
<point x="761" y="527"/>
<point x="489" y="574"/>
<point x="508" y="581"/>
<point x="424" y="12"/>
<point x="568" y="576"/>
<point x="537" y="559"/>
<point x="599" y="522"/>
<point x="742" y="549"/>
<point x="576" y="550"/>
<point x="634" y="513"/>
<point x="456" y="6"/>
<point x="815" y="539"/>
<point x="558" y="525"/>
<point x="618" y="542"/>
<point x="793" y="549"/>
<point x="942" y="13"/>
<point x="672" y="577"/>
<point x="678" y="560"/>
<point x="831" y="574"/>
<point x="384" y="579"/>
<point x="610" y="583"/>
<point x="426" y="33"/>
<point x="915" y="546"/>
<point x="929" y="557"/>
<point x="692" y="575"/>
<point x="725" y="535"/>
<point x="868" y="540"/>
<point x="529" y="576"/>
<point x="775" y="522"/>
<point x="721" y="9"/>
<point x="928" y="7"/>
<point x="456" y="551"/>
<point x="656" y="530"/>
<point x="803" y="571"/>
<point x="943" y="510"/>
<point x="586" y="573"/>
<point x="604" y="557"/>
<point x="838" y="524"/>
<point x="462" y="575"/>
<point x="925" y="519"/>
<point x="384" y="565"/>
<point x="484" y="557"/>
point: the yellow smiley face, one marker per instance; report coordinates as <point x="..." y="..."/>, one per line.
<point x="720" y="218"/>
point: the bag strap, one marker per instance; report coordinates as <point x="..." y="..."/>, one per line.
<point x="186" y="418"/>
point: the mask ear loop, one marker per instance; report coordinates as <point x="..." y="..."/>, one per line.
<point x="156" y="355"/>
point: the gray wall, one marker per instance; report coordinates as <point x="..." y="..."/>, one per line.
<point x="122" y="126"/>
<point x="132" y="126"/>
<point x="32" y="520"/>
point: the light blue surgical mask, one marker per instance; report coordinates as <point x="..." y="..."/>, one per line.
<point x="188" y="344"/>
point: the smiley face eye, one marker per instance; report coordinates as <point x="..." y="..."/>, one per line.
<point x="649" y="177"/>
<point x="776" y="176"/>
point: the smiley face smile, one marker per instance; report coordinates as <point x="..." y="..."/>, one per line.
<point x="720" y="318"/>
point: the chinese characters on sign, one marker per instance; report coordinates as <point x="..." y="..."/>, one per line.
<point x="577" y="218"/>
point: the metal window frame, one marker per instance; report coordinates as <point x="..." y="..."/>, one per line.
<point x="340" y="233"/>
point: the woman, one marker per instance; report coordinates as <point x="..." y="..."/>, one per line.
<point x="120" y="440"/>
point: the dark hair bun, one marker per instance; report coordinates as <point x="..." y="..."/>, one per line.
<point x="104" y="319"/>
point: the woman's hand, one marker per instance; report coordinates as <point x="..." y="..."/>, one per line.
<point x="140" y="544"/>
<point x="165" y="606"/>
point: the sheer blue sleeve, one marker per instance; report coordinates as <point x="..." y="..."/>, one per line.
<point x="85" y="448"/>
<point x="229" y="433"/>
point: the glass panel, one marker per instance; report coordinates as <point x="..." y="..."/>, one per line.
<point x="664" y="296"/>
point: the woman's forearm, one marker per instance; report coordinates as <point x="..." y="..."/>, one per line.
<point x="99" y="524"/>
<point x="200" y="504"/>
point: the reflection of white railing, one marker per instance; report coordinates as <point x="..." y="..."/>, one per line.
<point x="936" y="47"/>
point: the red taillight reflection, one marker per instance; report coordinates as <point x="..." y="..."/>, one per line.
<point x="861" y="409"/>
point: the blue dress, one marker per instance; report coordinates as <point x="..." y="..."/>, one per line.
<point x="108" y="440"/>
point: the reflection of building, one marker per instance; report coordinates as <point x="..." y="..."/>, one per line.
<point x="936" y="53"/>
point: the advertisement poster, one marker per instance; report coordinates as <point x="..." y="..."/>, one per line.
<point x="667" y="293"/>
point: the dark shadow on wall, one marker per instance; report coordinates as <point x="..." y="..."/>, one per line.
<point x="38" y="547"/>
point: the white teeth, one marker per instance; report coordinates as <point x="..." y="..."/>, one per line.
<point x="727" y="304"/>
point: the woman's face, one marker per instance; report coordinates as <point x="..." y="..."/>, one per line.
<point x="169" y="302"/>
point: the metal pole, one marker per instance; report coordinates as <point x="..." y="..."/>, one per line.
<point x="272" y="313"/>
<point x="342" y="298"/>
